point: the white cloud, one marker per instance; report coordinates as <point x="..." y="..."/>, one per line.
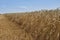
<point x="24" y="7"/>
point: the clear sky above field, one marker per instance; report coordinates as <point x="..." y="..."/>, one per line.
<point x="27" y="5"/>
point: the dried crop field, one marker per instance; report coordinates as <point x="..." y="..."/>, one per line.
<point x="38" y="25"/>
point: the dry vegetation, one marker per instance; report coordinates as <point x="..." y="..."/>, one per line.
<point x="39" y="25"/>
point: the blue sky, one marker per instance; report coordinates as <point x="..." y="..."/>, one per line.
<point x="27" y="5"/>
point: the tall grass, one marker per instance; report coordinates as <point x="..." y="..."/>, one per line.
<point x="41" y="25"/>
